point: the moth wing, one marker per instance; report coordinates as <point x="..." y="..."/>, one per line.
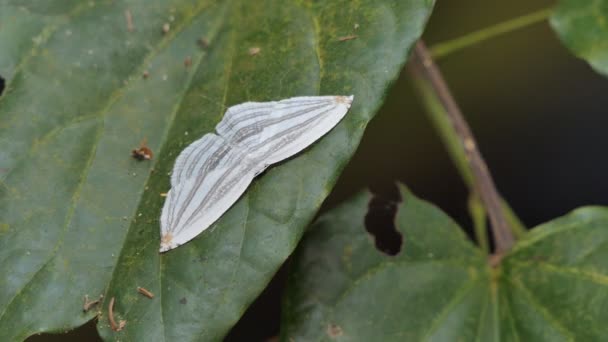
<point x="213" y="172"/>
<point x="195" y="157"/>
<point x="242" y="120"/>
<point x="276" y="132"/>
<point x="196" y="202"/>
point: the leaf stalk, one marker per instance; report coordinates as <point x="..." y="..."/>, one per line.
<point x="443" y="49"/>
<point x="469" y="160"/>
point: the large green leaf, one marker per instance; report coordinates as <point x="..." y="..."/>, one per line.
<point x="582" y="25"/>
<point x="553" y="286"/>
<point x="79" y="216"/>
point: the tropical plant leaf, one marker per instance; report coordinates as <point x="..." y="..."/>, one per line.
<point x="553" y="286"/>
<point x="88" y="80"/>
<point x="581" y="25"/>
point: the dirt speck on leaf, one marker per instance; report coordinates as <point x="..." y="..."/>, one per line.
<point x="345" y="38"/>
<point x="203" y="43"/>
<point x="334" y="330"/>
<point x="115" y="326"/>
<point x="129" y="19"/>
<point x="88" y="304"/>
<point x="253" y="51"/>
<point x="145" y="292"/>
<point x="143" y="152"/>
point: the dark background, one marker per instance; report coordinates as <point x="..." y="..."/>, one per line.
<point x="537" y="113"/>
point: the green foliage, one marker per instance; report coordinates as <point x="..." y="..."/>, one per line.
<point x="551" y="287"/>
<point x="79" y="216"/>
<point x="582" y="25"/>
<point x="88" y="81"/>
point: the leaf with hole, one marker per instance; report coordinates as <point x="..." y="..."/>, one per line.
<point x="88" y="81"/>
<point x="553" y="286"/>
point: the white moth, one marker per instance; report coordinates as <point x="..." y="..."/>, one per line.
<point x="214" y="171"/>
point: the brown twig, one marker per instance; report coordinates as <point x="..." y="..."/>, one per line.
<point x="424" y="67"/>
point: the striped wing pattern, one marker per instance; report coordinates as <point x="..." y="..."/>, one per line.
<point x="212" y="173"/>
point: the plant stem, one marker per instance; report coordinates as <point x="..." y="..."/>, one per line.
<point x="517" y="227"/>
<point x="451" y="141"/>
<point x="423" y="67"/>
<point x="442" y="49"/>
<point x="478" y="216"/>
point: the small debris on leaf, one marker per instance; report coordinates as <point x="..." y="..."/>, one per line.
<point x="203" y="43"/>
<point x="143" y="152"/>
<point x="163" y="194"/>
<point x="166" y="28"/>
<point x="183" y="300"/>
<point x="345" y="38"/>
<point x="253" y="51"/>
<point x="146" y="74"/>
<point x="88" y="304"/>
<point x="129" y="19"/>
<point x="115" y="326"/>
<point x="145" y="292"/>
<point x="188" y="62"/>
<point x="334" y="330"/>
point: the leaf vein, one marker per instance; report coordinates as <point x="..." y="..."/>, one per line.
<point x="544" y="311"/>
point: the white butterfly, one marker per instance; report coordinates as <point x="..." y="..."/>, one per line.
<point x="214" y="171"/>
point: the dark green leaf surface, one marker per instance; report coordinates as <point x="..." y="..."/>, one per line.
<point x="582" y="25"/>
<point x="552" y="287"/>
<point x="79" y="216"/>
